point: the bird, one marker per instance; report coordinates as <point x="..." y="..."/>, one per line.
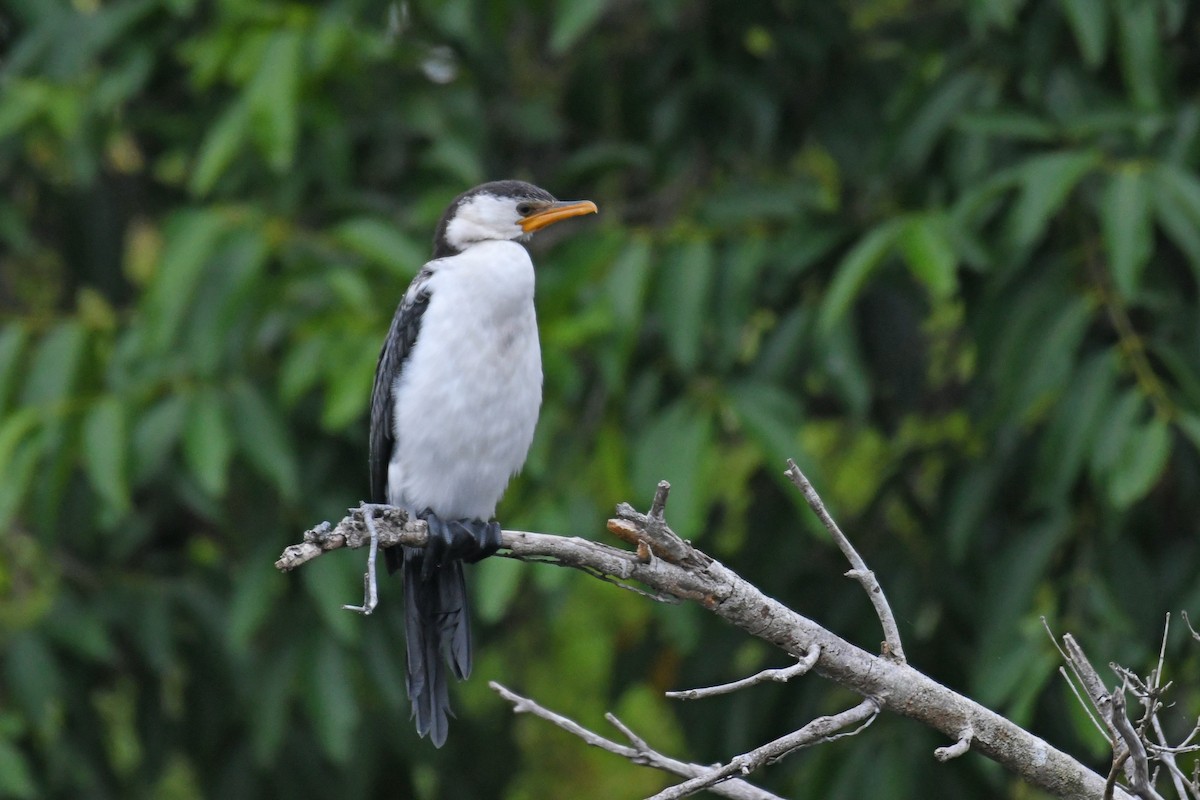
<point x="455" y="401"/>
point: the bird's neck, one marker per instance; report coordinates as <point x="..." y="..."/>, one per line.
<point x="499" y="272"/>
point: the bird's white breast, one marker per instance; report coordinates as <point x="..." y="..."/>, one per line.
<point x="466" y="403"/>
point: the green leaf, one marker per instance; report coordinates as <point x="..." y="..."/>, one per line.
<point x="24" y="99"/>
<point x="495" y="581"/>
<point x="930" y="256"/>
<point x="736" y="322"/>
<point x="942" y="106"/>
<point x="264" y="439"/>
<point x="1008" y="125"/>
<point x="1004" y="604"/>
<point x="627" y="279"/>
<point x="970" y="498"/>
<point x="19" y="454"/>
<point x="773" y="418"/>
<point x="1046" y="182"/>
<point x="1120" y="426"/>
<point x="33" y="677"/>
<point x="155" y="434"/>
<point x="16" y="780"/>
<point x="73" y="627"/>
<point x="105" y="451"/>
<point x="459" y="157"/>
<point x="269" y="723"/>
<point x="1139" y="43"/>
<point x="331" y="705"/>
<point x="1079" y="419"/>
<point x="676" y="447"/>
<point x="840" y="356"/>
<point x="684" y="289"/>
<point x="1189" y="424"/>
<point x="224" y="299"/>
<point x="329" y="585"/>
<point x="380" y="242"/>
<point x="256" y="591"/>
<point x="302" y="368"/>
<point x="207" y="441"/>
<point x="349" y="287"/>
<point x="1141" y="463"/>
<point x="54" y="367"/>
<point x="151" y="626"/>
<point x="191" y="237"/>
<point x="1177" y="208"/>
<point x="12" y="344"/>
<point x="1089" y="24"/>
<point x="1128" y="231"/>
<point x="225" y="138"/>
<point x="853" y="271"/>
<point x="272" y="99"/>
<point x="349" y="378"/>
<point x="1054" y="348"/>
<point x="572" y="19"/>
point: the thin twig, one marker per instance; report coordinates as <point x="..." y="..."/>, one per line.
<point x="1166" y="756"/>
<point x="779" y="675"/>
<point x="1119" y="761"/>
<point x="640" y="753"/>
<point x="652" y="529"/>
<point x="891" y="633"/>
<point x="1156" y="678"/>
<point x="1164" y="753"/>
<point x="1086" y="705"/>
<point x="1089" y="678"/>
<point x="821" y="729"/>
<point x="1139" y="780"/>
<point x="958" y="748"/>
<point x="1188" y="622"/>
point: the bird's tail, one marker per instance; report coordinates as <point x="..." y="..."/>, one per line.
<point x="437" y="628"/>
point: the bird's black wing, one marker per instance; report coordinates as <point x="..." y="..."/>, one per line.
<point x="435" y="607"/>
<point x="406" y="325"/>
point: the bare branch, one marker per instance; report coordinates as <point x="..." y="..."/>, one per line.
<point x="659" y="505"/>
<point x="652" y="528"/>
<point x="353" y="532"/>
<point x="1140" y="779"/>
<point x="1156" y="678"/>
<point x="821" y="729"/>
<point x="894" y="686"/>
<point x="779" y="675"/>
<point x="1166" y="755"/>
<point x="859" y="571"/>
<point x="640" y="753"/>
<point x="1085" y="704"/>
<point x="1088" y="677"/>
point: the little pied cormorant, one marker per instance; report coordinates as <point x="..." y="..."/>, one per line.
<point x="456" y="397"/>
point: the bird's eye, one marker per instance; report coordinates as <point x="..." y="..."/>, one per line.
<point x="525" y="209"/>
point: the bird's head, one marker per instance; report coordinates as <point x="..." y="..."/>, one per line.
<point x="501" y="211"/>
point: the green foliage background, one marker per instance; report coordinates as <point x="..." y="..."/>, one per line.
<point x="946" y="254"/>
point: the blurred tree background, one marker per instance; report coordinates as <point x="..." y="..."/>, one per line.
<point x="946" y="254"/>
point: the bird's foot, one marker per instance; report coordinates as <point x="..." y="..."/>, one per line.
<point x="468" y="540"/>
<point x="370" y="588"/>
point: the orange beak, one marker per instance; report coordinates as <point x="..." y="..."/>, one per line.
<point x="556" y="212"/>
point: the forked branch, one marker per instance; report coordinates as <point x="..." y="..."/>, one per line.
<point x="670" y="566"/>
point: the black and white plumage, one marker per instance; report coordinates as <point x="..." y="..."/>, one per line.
<point x="453" y="410"/>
